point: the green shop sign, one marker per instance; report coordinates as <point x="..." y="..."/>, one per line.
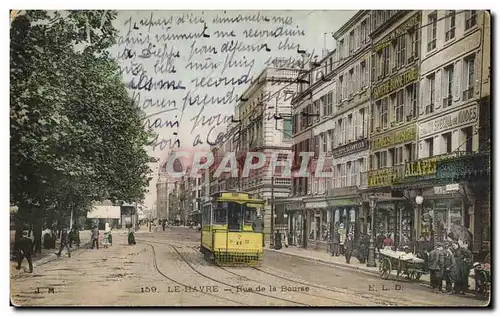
<point x="464" y="168"/>
<point x="341" y="202"/>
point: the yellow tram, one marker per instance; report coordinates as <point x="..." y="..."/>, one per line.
<point x="231" y="230"/>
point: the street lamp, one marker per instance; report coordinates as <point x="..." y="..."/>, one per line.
<point x="371" y="248"/>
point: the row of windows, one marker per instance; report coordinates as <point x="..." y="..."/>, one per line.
<point x="395" y="108"/>
<point x="352" y="81"/>
<point x="470" y="17"/>
<point x="402" y="51"/>
<point x="358" y="37"/>
<point x="453" y="84"/>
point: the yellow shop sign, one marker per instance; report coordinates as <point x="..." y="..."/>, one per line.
<point x="408" y="24"/>
<point x="382" y="178"/>
<point x="395" y="83"/>
<point x="423" y="167"/>
<point x="394" y="138"/>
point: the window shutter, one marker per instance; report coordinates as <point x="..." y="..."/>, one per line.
<point x="439" y="101"/>
<point x="457" y="81"/>
<point x="477" y="72"/>
<point x="424" y="95"/>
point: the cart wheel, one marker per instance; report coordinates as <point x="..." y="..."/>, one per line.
<point x="385" y="268"/>
<point x="417" y="275"/>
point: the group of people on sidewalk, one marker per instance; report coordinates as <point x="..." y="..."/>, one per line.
<point x="24" y="246"/>
<point x="450" y="262"/>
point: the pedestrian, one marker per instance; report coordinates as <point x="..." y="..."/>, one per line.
<point x="163" y="223"/>
<point x="342" y="237"/>
<point x="463" y="263"/>
<point x="64" y="242"/>
<point x="24" y="248"/>
<point x="335" y="243"/>
<point x="387" y="241"/>
<point x="95" y="237"/>
<point x="105" y="240"/>
<point x="286" y="238"/>
<point x="348" y="245"/>
<point x="449" y="269"/>
<point x="74" y="237"/>
<point x="131" y="237"/>
<point x="435" y="268"/>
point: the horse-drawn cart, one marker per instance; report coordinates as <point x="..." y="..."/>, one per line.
<point x="406" y="265"/>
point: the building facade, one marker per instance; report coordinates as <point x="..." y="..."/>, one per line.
<point x="265" y="126"/>
<point x="453" y="123"/>
<point x="395" y="78"/>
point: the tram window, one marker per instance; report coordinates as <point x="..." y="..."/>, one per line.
<point x="235" y="217"/>
<point x="250" y="213"/>
<point x="220" y="216"/>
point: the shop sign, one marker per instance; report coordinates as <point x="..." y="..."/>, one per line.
<point x="395" y="83"/>
<point x="403" y="28"/>
<point x="423" y="167"/>
<point x="384" y="177"/>
<point x="394" y="137"/>
<point x="350" y="148"/>
<point x="294" y="206"/>
<point x="340" y="202"/>
<point x="463" y="168"/>
<point x="439" y="190"/>
<point x="452" y="187"/>
<point x="464" y="116"/>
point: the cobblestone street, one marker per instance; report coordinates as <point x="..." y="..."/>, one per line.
<point x="166" y="269"/>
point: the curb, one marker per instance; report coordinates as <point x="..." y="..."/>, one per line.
<point x="336" y="264"/>
<point x="345" y="265"/>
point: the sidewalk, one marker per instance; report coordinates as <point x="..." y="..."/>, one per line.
<point x="49" y="255"/>
<point x="324" y="257"/>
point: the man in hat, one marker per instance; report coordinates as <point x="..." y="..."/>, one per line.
<point x="64" y="242"/>
<point x="335" y="242"/>
<point x="24" y="248"/>
<point x="435" y="267"/>
<point x="349" y="246"/>
<point x="449" y="268"/>
<point x="95" y="237"/>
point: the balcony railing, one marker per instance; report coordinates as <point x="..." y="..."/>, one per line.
<point x="468" y="93"/>
<point x="447" y="101"/>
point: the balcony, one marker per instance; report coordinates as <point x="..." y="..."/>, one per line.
<point x="344" y="191"/>
<point x="467" y="94"/>
<point x="281" y="74"/>
<point x="447" y="101"/>
<point x="282" y="181"/>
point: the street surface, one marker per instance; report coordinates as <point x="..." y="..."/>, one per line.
<point x="166" y="269"/>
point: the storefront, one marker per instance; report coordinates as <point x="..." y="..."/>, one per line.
<point x="294" y="213"/>
<point x="345" y="216"/>
<point x="317" y="223"/>
<point x="473" y="174"/>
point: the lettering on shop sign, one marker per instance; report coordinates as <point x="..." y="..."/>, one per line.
<point x="395" y="83"/>
<point x="403" y="28"/>
<point x="423" y="167"/>
<point x="350" y="148"/>
<point x="383" y="177"/>
<point x="394" y="138"/>
<point x="464" y="116"/>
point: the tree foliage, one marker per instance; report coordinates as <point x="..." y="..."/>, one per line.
<point x="76" y="136"/>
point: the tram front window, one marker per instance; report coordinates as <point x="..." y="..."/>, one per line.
<point x="250" y="214"/>
<point x="234" y="217"/>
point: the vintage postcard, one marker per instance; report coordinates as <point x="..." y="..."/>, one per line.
<point x="250" y="158"/>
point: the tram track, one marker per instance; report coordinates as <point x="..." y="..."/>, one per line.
<point x="155" y="264"/>
<point x="361" y="294"/>
<point x="231" y="285"/>
<point x="372" y="298"/>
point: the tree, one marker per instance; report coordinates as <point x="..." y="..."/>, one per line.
<point x="76" y="136"/>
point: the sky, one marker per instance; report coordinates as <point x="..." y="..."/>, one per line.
<point x="187" y="69"/>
